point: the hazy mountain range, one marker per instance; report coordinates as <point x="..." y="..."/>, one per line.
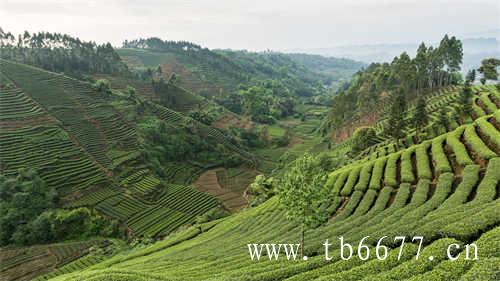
<point x="475" y="49"/>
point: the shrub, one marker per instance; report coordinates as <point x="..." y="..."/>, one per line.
<point x="489" y="130"/>
<point x="350" y="206"/>
<point x="469" y="180"/>
<point x="486" y="191"/>
<point x="390" y="170"/>
<point x="378" y="169"/>
<point x="423" y="165"/>
<point x="349" y="185"/>
<point x="406" y="166"/>
<point x="339" y="182"/>
<point x="477" y="144"/>
<point x="364" y="177"/>
<point x="441" y="163"/>
<point x="366" y="202"/>
<point x="422" y="265"/>
<point x="461" y="155"/>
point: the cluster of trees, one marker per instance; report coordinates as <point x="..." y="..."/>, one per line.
<point x="60" y="53"/>
<point x="398" y="123"/>
<point x="27" y="214"/>
<point x="431" y="68"/>
<point x="489" y="70"/>
<point x="264" y="101"/>
<point x="300" y="80"/>
<point x="363" y="137"/>
<point x="163" y="144"/>
<point x="190" y="53"/>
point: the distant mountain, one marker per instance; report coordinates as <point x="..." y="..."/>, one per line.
<point x="475" y="49"/>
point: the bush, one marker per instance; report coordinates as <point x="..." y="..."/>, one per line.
<point x="423" y="164"/>
<point x="477" y="144"/>
<point x="413" y="267"/>
<point x="350" y="206"/>
<point x="364" y="177"/>
<point x="340" y="181"/>
<point x="362" y="138"/>
<point x="441" y="163"/>
<point x="390" y="170"/>
<point x="378" y="169"/>
<point x="366" y="202"/>
<point x="489" y="130"/>
<point x="461" y="155"/>
<point x="103" y="86"/>
<point x="212" y="214"/>
<point x="486" y="191"/>
<point x="469" y="180"/>
<point x="349" y="185"/>
<point x="406" y="166"/>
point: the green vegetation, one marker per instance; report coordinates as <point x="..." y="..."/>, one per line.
<point x="60" y="53"/>
<point x="300" y="193"/>
<point x="169" y="171"/>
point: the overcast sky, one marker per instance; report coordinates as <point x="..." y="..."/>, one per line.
<point x="255" y="24"/>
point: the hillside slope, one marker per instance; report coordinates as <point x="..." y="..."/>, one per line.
<point x="90" y="152"/>
<point x="445" y="189"/>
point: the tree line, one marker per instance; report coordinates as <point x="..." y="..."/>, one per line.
<point x="60" y="53"/>
<point x="432" y="68"/>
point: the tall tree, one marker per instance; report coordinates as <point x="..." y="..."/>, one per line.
<point x="465" y="100"/>
<point x="420" y="118"/>
<point x="396" y="125"/>
<point x="444" y="119"/>
<point x="471" y="76"/>
<point x="301" y="192"/>
<point x="421" y="62"/>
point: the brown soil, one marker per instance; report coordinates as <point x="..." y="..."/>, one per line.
<point x="495" y="100"/>
<point x="457" y="169"/>
<point x="208" y="182"/>
<point x="294" y="141"/>
<point x="487" y="140"/>
<point x="233" y="120"/>
<point x="31" y="122"/>
<point x="188" y="79"/>
<point x="347" y="130"/>
<point x="28" y="270"/>
<point x="481" y="104"/>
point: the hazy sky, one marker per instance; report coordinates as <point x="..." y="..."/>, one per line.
<point x="255" y="24"/>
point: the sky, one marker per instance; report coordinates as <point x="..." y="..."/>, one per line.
<point x="256" y="24"/>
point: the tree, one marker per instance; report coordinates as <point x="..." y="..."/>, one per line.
<point x="421" y="60"/>
<point x="465" y="99"/>
<point x="420" y="118"/>
<point x="103" y="86"/>
<point x="471" y="76"/>
<point x="488" y="69"/>
<point x="396" y="125"/>
<point x="22" y="199"/>
<point x="362" y="138"/>
<point x="443" y="119"/>
<point x="301" y="192"/>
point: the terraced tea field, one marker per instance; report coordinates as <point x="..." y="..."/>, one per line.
<point x="444" y="189"/>
<point x="24" y="263"/>
<point x="486" y="100"/>
<point x="84" y="148"/>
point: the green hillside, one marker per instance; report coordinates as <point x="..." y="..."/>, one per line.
<point x="91" y="153"/>
<point x="209" y="73"/>
<point x="448" y="194"/>
<point x="164" y="160"/>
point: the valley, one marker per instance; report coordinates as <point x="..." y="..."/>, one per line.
<point x="163" y="160"/>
